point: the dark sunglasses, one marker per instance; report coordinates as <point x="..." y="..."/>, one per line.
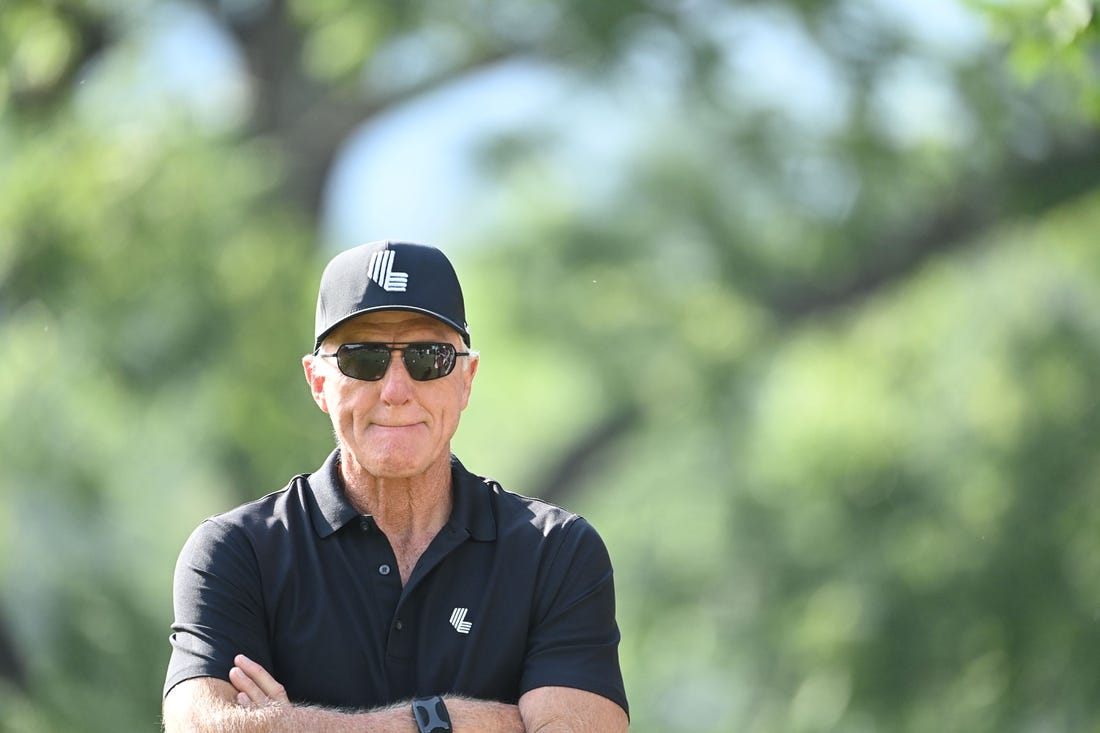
<point x="369" y="361"/>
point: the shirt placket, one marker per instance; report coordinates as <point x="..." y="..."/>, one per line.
<point x="403" y="639"/>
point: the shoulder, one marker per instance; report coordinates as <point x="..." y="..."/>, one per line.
<point x="483" y="499"/>
<point x="525" y="522"/>
<point x="246" y="524"/>
<point x="531" y="511"/>
<point x="268" y="509"/>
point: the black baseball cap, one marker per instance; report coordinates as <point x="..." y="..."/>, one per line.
<point x="388" y="275"/>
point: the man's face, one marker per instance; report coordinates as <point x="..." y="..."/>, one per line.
<point x="395" y="427"/>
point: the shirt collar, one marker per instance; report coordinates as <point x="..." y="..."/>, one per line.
<point x="328" y="491"/>
<point x="472" y="510"/>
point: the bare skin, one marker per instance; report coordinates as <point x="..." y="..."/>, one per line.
<point x="209" y="705"/>
<point x="545" y="710"/>
<point x="394" y="436"/>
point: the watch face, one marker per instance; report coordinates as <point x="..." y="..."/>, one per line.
<point x="431" y="715"/>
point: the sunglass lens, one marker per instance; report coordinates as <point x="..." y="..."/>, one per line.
<point x="363" y="362"/>
<point x="429" y="361"/>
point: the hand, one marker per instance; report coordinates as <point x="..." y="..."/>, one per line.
<point x="255" y="686"/>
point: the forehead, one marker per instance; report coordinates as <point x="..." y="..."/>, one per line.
<point x="393" y="326"/>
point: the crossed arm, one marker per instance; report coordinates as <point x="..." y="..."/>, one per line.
<point x="254" y="702"/>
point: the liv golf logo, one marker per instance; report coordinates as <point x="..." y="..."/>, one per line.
<point x="458" y="620"/>
<point x="380" y="269"/>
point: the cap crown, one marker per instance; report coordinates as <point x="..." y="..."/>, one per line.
<point x="388" y="275"/>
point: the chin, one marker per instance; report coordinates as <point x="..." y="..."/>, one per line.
<point x="393" y="464"/>
<point x="396" y="459"/>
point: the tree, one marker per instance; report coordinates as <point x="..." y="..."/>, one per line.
<point x="822" y="322"/>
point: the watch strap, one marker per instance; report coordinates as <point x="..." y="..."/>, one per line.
<point x="431" y="715"/>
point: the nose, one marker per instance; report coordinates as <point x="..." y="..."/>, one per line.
<point x="396" y="387"/>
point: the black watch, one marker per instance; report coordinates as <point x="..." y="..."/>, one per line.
<point x="431" y="715"/>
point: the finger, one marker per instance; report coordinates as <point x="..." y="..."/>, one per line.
<point x="244" y="700"/>
<point x="246" y="687"/>
<point x="260" y="676"/>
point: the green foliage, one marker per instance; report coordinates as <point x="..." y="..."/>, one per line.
<point x="143" y="282"/>
<point x="1052" y="41"/>
<point x="39" y="44"/>
<point x="892" y="530"/>
<point x="830" y="364"/>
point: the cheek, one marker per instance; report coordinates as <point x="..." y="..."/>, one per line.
<point x="457" y="401"/>
<point x="467" y="390"/>
<point x="344" y="400"/>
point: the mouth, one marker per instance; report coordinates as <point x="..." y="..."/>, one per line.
<point x="403" y="426"/>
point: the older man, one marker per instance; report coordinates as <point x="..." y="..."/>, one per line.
<point x="392" y="589"/>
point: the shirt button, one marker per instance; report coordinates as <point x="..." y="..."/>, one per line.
<point x="384" y="569"/>
<point x="364" y="524"/>
<point x="399" y="625"/>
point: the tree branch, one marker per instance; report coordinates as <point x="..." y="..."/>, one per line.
<point x="1025" y="188"/>
<point x="312" y="120"/>
<point x="573" y="466"/>
<point x="12" y="668"/>
<point x="314" y="138"/>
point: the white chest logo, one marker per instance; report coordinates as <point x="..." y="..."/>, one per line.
<point x="380" y="269"/>
<point x="458" y="620"/>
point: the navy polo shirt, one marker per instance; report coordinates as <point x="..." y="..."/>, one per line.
<point x="512" y="594"/>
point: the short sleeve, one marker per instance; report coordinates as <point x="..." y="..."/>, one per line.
<point x="574" y="638"/>
<point x="218" y="605"/>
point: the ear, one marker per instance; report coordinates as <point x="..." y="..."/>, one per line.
<point x="315" y="375"/>
<point x="468" y="377"/>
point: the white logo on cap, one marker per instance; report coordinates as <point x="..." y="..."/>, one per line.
<point x="380" y="269"/>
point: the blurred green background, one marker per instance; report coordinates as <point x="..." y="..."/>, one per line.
<point x="798" y="302"/>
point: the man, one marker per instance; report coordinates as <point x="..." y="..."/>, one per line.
<point x="392" y="590"/>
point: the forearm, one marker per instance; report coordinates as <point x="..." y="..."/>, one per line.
<point x="477" y="716"/>
<point x="209" y="705"/>
<point x="206" y="706"/>
<point x="466" y="716"/>
<point x="568" y="710"/>
<point x="231" y="718"/>
<point x="252" y="687"/>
